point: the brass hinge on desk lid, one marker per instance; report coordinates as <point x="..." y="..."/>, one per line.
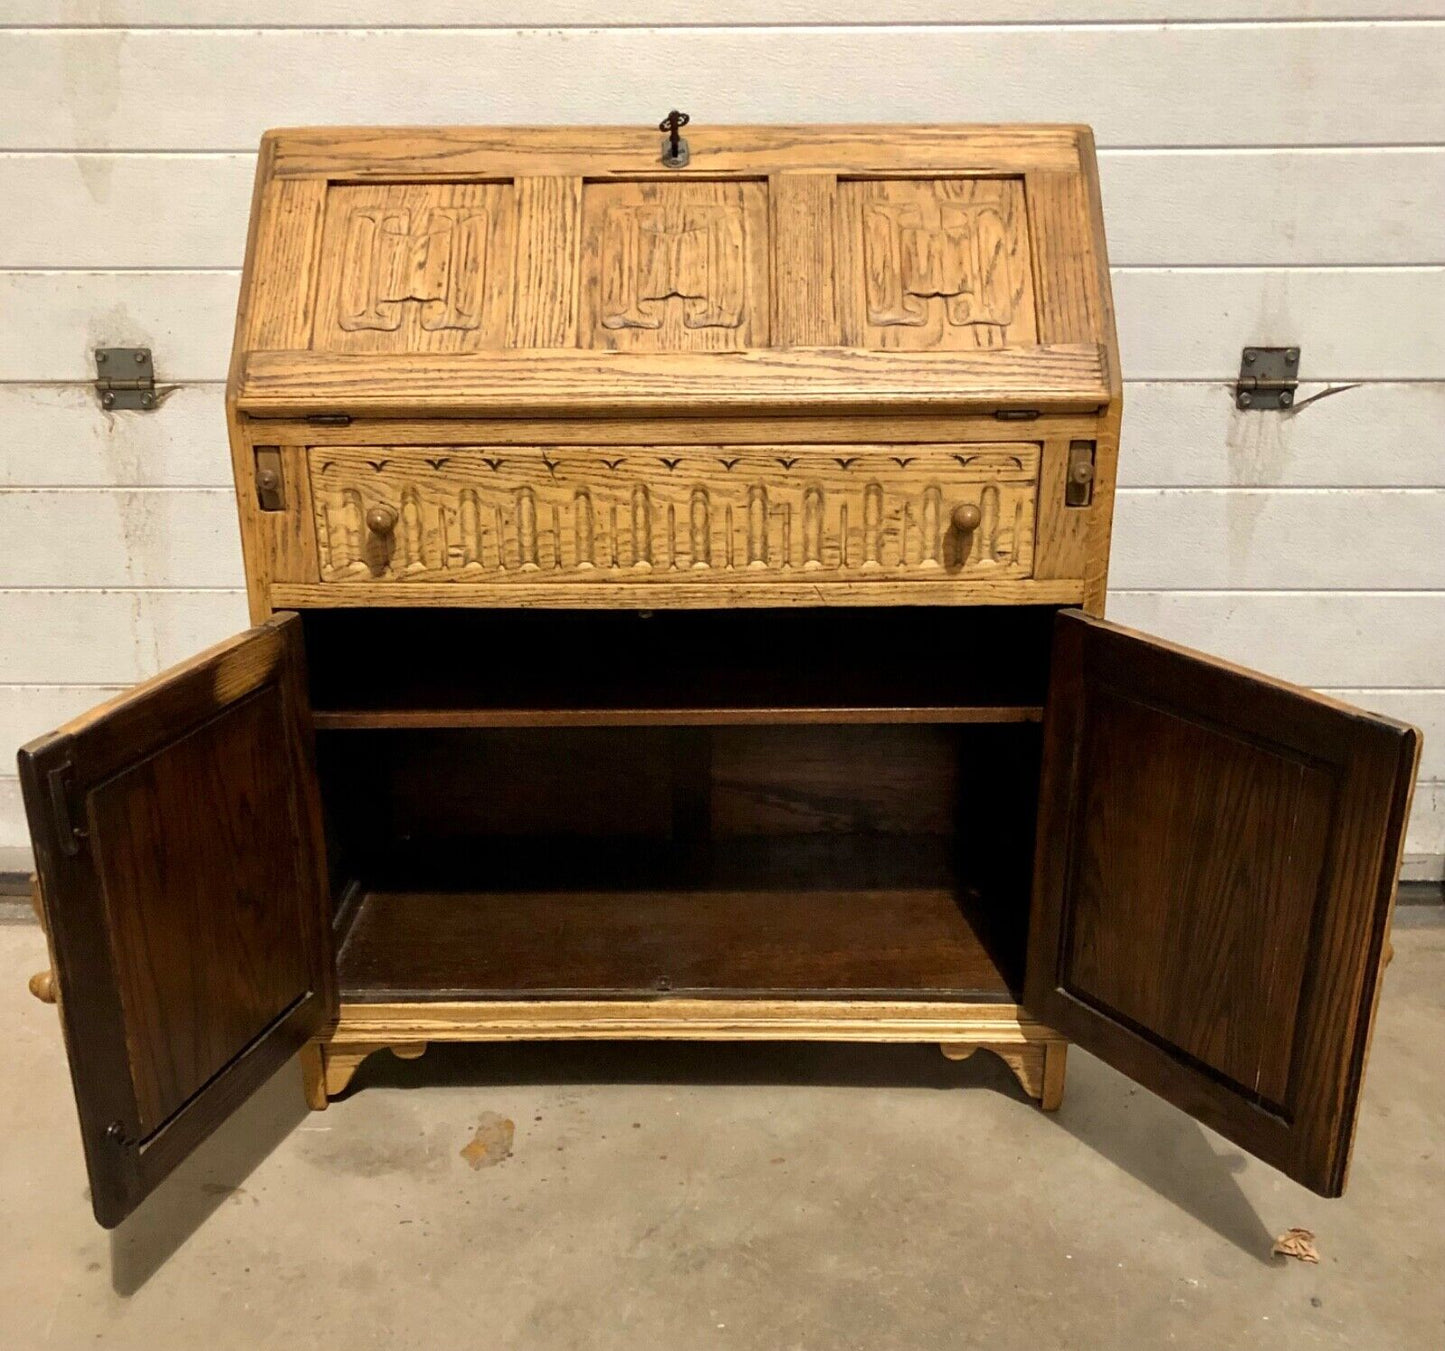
<point x="1268" y="378"/>
<point x="125" y="378"/>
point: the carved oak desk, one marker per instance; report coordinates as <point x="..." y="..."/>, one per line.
<point x="678" y="596"/>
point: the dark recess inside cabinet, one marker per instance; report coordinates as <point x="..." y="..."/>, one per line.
<point x="790" y="803"/>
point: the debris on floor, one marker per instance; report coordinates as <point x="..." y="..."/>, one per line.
<point x="492" y="1142"/>
<point x="1298" y="1243"/>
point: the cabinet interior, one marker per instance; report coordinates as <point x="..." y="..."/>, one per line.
<point x="742" y="803"/>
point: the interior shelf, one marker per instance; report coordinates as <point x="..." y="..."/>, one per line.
<point x="898" y="942"/>
<point x="342" y="718"/>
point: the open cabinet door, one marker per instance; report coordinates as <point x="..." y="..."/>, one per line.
<point x="177" y="835"/>
<point x="1216" y="866"/>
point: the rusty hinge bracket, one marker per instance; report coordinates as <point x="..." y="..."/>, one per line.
<point x="59" y="782"/>
<point x="125" y="378"/>
<point x="1268" y="378"/>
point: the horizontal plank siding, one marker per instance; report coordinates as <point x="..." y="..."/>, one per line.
<point x="1305" y="538"/>
<point x="1339" y="639"/>
<point x="95" y="89"/>
<point x="1296" y="208"/>
<point x="110" y="637"/>
<point x="1174" y="324"/>
<point x="29" y="711"/>
<point x="1163" y="207"/>
<point x="152" y="537"/>
<point x="59" y="435"/>
<point x="1192" y="435"/>
<point x="1314" y="638"/>
<point x="55" y="320"/>
<point x="1176" y="435"/>
<point x="1271" y="173"/>
<point x="1351" y="323"/>
<point x="1190" y="538"/>
<point x="588" y="14"/>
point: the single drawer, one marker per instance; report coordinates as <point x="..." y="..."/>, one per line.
<point x="614" y="514"/>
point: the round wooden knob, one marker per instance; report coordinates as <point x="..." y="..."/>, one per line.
<point x="380" y="520"/>
<point x="268" y="480"/>
<point x="42" y="986"/>
<point x="966" y="518"/>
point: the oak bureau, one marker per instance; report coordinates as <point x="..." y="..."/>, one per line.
<point x="678" y="568"/>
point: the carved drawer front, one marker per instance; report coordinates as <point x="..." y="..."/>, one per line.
<point x="637" y="514"/>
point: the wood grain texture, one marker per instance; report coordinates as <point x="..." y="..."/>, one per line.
<point x="804" y="267"/>
<point x="280" y="306"/>
<point x="415" y="267"/>
<point x="1059" y="218"/>
<point x="607" y="152"/>
<point x="940" y="265"/>
<point x="195" y="962"/>
<point x="1214" y="893"/>
<point x="599" y="384"/>
<point x="890" y="1020"/>
<point x="664" y="513"/>
<point x="1038" y="1066"/>
<point x="712" y="594"/>
<point x="212" y="956"/>
<point x="497" y="945"/>
<point x="547" y="271"/>
<point x="675" y="266"/>
<point x="1244" y="540"/>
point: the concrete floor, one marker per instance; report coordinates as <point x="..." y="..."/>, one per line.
<point x="685" y="1197"/>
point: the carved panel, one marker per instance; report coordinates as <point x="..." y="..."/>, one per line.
<point x="415" y="268"/>
<point x="675" y="266"/>
<point x="935" y="264"/>
<point x="631" y="513"/>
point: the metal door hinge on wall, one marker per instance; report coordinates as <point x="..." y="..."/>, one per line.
<point x="125" y="378"/>
<point x="1268" y="378"/>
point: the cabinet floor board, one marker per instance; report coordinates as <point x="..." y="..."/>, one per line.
<point x="475" y="944"/>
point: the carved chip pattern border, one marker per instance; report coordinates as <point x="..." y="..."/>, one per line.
<point x="659" y="513"/>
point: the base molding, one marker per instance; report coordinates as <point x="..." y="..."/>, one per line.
<point x="1035" y="1053"/>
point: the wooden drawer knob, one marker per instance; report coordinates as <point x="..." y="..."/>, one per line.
<point x="42" y="986"/>
<point x="966" y="518"/>
<point x="380" y="521"/>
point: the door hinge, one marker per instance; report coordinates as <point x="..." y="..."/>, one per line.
<point x="1016" y="414"/>
<point x="1079" y="487"/>
<point x="270" y="483"/>
<point x="59" y="783"/>
<point x="329" y="419"/>
<point x="125" y="378"/>
<point x="1268" y="378"/>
